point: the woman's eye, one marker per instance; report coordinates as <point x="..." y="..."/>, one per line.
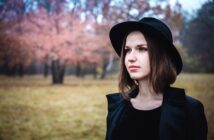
<point x="142" y="49"/>
<point x="127" y="50"/>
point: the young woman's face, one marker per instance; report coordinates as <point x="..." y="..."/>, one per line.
<point x="137" y="56"/>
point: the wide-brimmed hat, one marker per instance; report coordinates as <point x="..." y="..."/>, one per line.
<point x="152" y="26"/>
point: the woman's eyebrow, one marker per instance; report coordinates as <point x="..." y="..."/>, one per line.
<point x="141" y="45"/>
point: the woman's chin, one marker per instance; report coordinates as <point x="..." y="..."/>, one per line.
<point x="136" y="77"/>
<point x="139" y="77"/>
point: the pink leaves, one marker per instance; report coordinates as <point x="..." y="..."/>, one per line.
<point x="41" y="36"/>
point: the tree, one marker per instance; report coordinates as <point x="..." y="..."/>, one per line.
<point x="198" y="36"/>
<point x="14" y="56"/>
<point x="52" y="35"/>
<point x="59" y="33"/>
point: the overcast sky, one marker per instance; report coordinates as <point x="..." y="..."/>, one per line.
<point x="190" y="5"/>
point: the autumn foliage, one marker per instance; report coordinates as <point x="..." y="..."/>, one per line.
<point x="65" y="33"/>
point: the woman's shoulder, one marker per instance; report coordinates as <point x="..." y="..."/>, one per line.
<point x="193" y="103"/>
<point x="178" y="96"/>
<point x="114" y="99"/>
<point x="196" y="112"/>
<point x="197" y="118"/>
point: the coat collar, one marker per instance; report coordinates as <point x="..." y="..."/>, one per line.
<point x="173" y="115"/>
<point x="174" y="96"/>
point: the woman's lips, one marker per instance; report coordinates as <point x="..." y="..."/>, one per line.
<point x="133" y="68"/>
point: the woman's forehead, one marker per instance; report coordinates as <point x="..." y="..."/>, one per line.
<point x="135" y="38"/>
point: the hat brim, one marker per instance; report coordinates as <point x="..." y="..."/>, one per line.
<point x="119" y="31"/>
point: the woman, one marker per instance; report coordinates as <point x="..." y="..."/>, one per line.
<point x="147" y="108"/>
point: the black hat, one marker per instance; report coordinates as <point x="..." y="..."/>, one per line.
<point x="154" y="27"/>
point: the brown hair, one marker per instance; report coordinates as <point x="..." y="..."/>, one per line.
<point x="163" y="71"/>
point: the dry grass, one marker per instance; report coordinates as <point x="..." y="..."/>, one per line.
<point x="33" y="109"/>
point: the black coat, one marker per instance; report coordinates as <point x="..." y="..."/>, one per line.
<point x="182" y="117"/>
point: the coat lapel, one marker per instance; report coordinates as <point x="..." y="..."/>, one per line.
<point x="116" y="105"/>
<point x="173" y="115"/>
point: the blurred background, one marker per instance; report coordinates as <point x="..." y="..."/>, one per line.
<point x="57" y="63"/>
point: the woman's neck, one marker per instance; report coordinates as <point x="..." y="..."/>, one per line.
<point x="146" y="90"/>
<point x="146" y="99"/>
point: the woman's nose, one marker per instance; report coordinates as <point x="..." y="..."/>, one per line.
<point x="132" y="56"/>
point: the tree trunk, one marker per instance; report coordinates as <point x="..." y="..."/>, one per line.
<point x="106" y="66"/>
<point x="13" y="71"/>
<point x="80" y="71"/>
<point x="20" y="70"/>
<point x="45" y="70"/>
<point x="103" y="74"/>
<point x="95" y="71"/>
<point x="58" y="72"/>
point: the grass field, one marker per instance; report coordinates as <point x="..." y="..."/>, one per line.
<point x="33" y="109"/>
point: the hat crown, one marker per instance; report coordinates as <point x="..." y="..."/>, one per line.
<point x="158" y="25"/>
